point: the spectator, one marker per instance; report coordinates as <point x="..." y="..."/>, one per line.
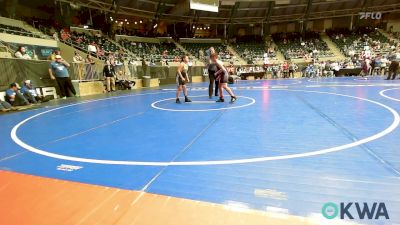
<point x="21" y="53"/>
<point x="52" y="56"/>
<point x="59" y="71"/>
<point x="285" y="69"/>
<point x="92" y="49"/>
<point x="90" y="71"/>
<point x="377" y="65"/>
<point x="14" y="97"/>
<point x="111" y="57"/>
<point x="384" y="62"/>
<point x="77" y="58"/>
<point x="79" y="64"/>
<point x="55" y="36"/>
<point x="100" y="53"/>
<point x="5" y="106"/>
<point x="132" y="67"/>
<point x="109" y="74"/>
<point x="292" y="68"/>
<point x="144" y="66"/>
<point x="30" y="93"/>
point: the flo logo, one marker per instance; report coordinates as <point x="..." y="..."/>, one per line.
<point x="372" y="15"/>
<point x="351" y="210"/>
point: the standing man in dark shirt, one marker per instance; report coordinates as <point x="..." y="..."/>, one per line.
<point x="144" y="67"/>
<point x="59" y="71"/>
<point x="394" y="66"/>
<point x="109" y="74"/>
<point x="212" y="69"/>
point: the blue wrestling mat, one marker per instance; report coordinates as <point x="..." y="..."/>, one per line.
<point x="286" y="145"/>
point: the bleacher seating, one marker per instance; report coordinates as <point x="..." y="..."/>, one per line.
<point x="252" y="48"/>
<point x="82" y="40"/>
<point x="198" y="50"/>
<point x="154" y="51"/>
<point x="350" y="42"/>
<point x="16" y="31"/>
<point x="294" y="46"/>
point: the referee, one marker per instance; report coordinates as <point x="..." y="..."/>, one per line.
<point x="394" y="66"/>
<point x="212" y="69"/>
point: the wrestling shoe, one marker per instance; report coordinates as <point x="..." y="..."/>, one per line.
<point x="220" y="100"/>
<point x="178" y="101"/>
<point x="187" y="99"/>
<point x="233" y="99"/>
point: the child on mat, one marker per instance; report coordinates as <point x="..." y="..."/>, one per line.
<point x="222" y="76"/>
<point x="182" y="78"/>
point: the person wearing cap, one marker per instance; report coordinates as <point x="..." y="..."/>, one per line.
<point x="59" y="71"/>
<point x="30" y="93"/>
<point x="14" y="97"/>
<point x="52" y="56"/>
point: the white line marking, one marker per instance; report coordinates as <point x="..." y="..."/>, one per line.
<point x="393" y="126"/>
<point x="201" y="102"/>
<point x="277" y="210"/>
<point x="388" y="97"/>
<point x="154" y="105"/>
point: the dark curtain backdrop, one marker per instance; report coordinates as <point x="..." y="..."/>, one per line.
<point x="18" y="70"/>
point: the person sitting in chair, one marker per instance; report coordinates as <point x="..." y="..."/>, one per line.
<point x="21" y="53"/>
<point x="14" y="97"/>
<point x="5" y="106"/>
<point x="30" y="93"/>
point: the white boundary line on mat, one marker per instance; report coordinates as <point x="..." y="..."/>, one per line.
<point x="389" y="129"/>
<point x="154" y="105"/>
<point x="388" y="97"/>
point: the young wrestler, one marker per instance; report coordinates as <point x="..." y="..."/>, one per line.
<point x="222" y="76"/>
<point x="182" y="78"/>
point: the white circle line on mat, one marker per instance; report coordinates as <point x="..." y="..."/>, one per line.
<point x="382" y="93"/>
<point x="389" y="129"/>
<point x="154" y="105"/>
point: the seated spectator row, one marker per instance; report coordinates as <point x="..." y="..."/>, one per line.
<point x="357" y="41"/>
<point x="254" y="51"/>
<point x="253" y="48"/>
<point x="24" y="96"/>
<point x="153" y="51"/>
<point x="198" y="50"/>
<point x="295" y="46"/>
<point x="95" y="44"/>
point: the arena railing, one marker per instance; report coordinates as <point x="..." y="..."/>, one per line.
<point x="24" y="33"/>
<point x="18" y="70"/>
<point x="5" y="47"/>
